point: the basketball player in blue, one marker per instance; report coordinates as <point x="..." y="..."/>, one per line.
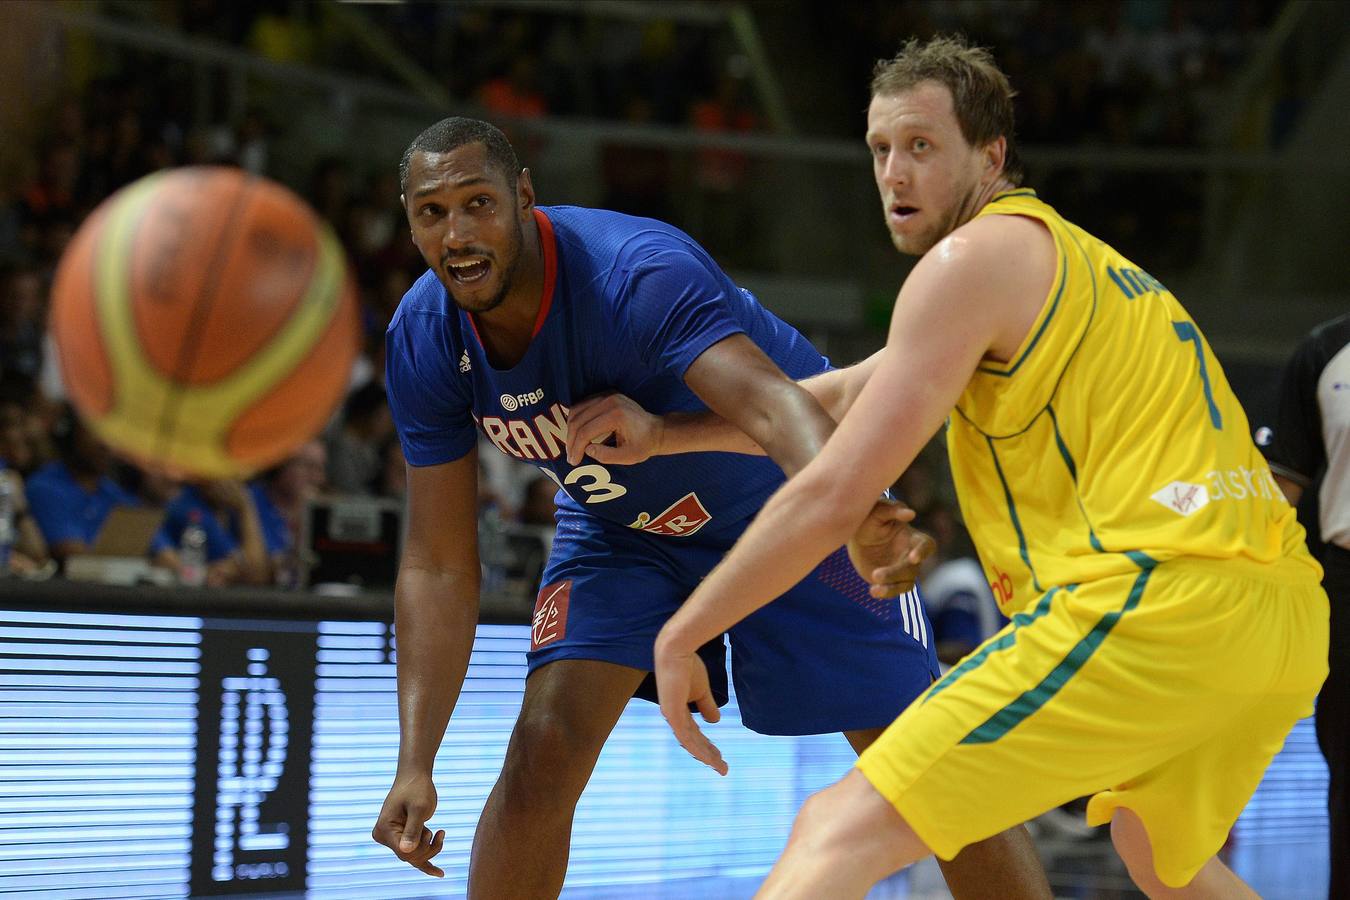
<point x="524" y="311"/>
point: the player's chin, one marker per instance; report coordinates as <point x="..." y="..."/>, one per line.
<point x="479" y="298"/>
<point x="912" y="244"/>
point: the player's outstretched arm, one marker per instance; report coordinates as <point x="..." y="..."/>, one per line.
<point x="436" y="613"/>
<point x="614" y="430"/>
<point x="743" y="386"/>
<point x="977" y="292"/>
<point x="837" y="389"/>
<point x="755" y="409"/>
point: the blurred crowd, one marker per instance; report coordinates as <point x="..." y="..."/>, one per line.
<point x="1130" y="73"/>
<point x="1126" y="72"/>
<point x="1101" y="74"/>
<point x="512" y="62"/>
<point x="64" y="483"/>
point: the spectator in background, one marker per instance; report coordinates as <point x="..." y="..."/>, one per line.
<point x="330" y="190"/>
<point x="354" y="444"/>
<point x="720" y="174"/>
<point x="18" y="446"/>
<point x="529" y="539"/>
<point x="502" y="480"/>
<point x="152" y="488"/>
<point x="955" y="593"/>
<point x="637" y="177"/>
<point x="515" y="95"/>
<point x="237" y="551"/>
<point x="960" y="607"/>
<point x="28" y="553"/>
<point x="280" y="496"/>
<point x="251" y="143"/>
<point x="21" y="322"/>
<point x="1310" y="450"/>
<point x="53" y="194"/>
<point x="288" y="37"/>
<point x="127" y="151"/>
<point x="538" y="508"/>
<point x="374" y="221"/>
<point x="72" y="496"/>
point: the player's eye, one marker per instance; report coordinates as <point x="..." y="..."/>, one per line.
<point x="429" y="209"/>
<point x="880" y="150"/>
<point x="919" y="145"/>
<point x="480" y="201"/>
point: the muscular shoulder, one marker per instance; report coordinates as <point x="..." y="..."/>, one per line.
<point x="603" y="239"/>
<point x="1001" y="267"/>
<point x="663" y="248"/>
<point x="1006" y="254"/>
<point x="660" y="269"/>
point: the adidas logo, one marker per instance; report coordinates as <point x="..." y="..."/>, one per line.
<point x="464" y="365"/>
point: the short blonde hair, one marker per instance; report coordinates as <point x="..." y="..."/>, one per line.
<point x="981" y="94"/>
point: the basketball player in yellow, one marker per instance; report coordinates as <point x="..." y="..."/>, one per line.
<point x="1167" y="624"/>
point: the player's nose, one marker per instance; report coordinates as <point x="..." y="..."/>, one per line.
<point x="895" y="172"/>
<point x="459" y="232"/>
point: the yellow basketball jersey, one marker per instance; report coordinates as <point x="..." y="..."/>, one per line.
<point x="1111" y="438"/>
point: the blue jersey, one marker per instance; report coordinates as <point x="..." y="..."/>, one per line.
<point x="628" y="305"/>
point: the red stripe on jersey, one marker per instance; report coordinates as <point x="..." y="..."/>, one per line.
<point x="550" y="245"/>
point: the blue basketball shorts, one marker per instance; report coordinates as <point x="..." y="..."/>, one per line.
<point x="824" y="657"/>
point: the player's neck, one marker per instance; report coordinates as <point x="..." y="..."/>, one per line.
<point x="506" y="331"/>
<point x="983" y="197"/>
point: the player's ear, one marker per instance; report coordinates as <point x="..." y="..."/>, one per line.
<point x="403" y="202"/>
<point x="995" y="156"/>
<point x="524" y="191"/>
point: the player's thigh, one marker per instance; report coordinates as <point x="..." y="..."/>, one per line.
<point x="606" y="594"/>
<point x="826" y="657"/>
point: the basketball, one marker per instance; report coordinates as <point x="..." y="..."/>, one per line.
<point x="205" y="322"/>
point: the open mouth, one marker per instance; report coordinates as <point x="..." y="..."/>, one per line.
<point x="469" y="272"/>
<point x="901" y="213"/>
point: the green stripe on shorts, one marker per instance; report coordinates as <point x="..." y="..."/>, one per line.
<point x="1003" y="643"/>
<point x="1010" y="716"/>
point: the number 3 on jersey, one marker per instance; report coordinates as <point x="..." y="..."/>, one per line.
<point x="598" y="488"/>
<point x="1186" y="331"/>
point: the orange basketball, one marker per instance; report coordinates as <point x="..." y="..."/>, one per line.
<point x="205" y="321"/>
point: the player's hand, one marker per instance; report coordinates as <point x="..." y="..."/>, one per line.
<point x="682" y="679"/>
<point x="402" y="823"/>
<point x="887" y="552"/>
<point x="612" y="429"/>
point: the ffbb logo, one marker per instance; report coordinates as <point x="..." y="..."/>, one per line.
<point x="513" y="402"/>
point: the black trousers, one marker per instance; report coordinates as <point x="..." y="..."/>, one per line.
<point x="1333" y="719"/>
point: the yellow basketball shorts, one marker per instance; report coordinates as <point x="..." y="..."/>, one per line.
<point x="1166" y="692"/>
